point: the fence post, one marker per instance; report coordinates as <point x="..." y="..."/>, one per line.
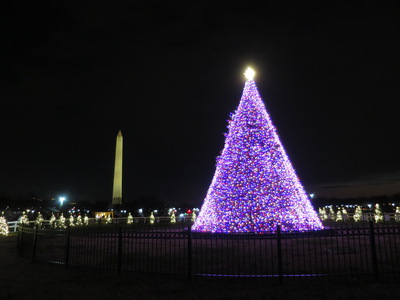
<point x="189" y="262"/>
<point x="119" y="261"/>
<point x="373" y="250"/>
<point x="279" y="244"/>
<point x="67" y="246"/>
<point x="34" y="243"/>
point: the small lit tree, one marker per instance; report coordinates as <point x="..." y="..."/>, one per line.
<point x="357" y="214"/>
<point x="332" y="214"/>
<point x="130" y="219"/>
<point x="108" y="219"/>
<point x="3" y="226"/>
<point x="194" y="216"/>
<point x="60" y="222"/>
<point x="52" y="221"/>
<point x="378" y="215"/>
<point x="39" y="220"/>
<point x="23" y="219"/>
<point x="323" y="213"/>
<point x="339" y="215"/>
<point x="71" y="220"/>
<point x="397" y="214"/>
<point x="344" y="214"/>
<point x="78" y="221"/>
<point x="152" y="218"/>
<point x="86" y="220"/>
<point x="173" y="218"/>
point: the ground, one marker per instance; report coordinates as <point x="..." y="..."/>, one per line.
<point x="20" y="279"/>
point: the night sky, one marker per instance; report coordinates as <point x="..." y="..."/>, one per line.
<point x="169" y="74"/>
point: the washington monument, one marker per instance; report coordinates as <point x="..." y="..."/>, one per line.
<point x="117" y="190"/>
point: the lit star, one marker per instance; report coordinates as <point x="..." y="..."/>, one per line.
<point x="249" y="74"/>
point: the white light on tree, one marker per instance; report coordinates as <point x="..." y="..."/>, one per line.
<point x="152" y="218"/>
<point x="130" y="219"/>
<point x="249" y="74"/>
<point x="173" y="218"/>
<point x="3" y="226"/>
<point x="39" y="220"/>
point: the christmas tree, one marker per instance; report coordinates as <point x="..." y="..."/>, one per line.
<point x="52" y="221"/>
<point x="78" y="220"/>
<point x="357" y="214"/>
<point x="3" y="226"/>
<point x="60" y="222"/>
<point x="378" y="215"/>
<point x="71" y="220"/>
<point x="255" y="187"/>
<point x="24" y="219"/>
<point x="130" y="219"/>
<point x="39" y="220"/>
<point x="152" y="218"/>
<point x="339" y="215"/>
<point x="173" y="218"/>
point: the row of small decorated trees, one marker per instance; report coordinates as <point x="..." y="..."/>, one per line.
<point x="341" y="214"/>
<point x="61" y="222"/>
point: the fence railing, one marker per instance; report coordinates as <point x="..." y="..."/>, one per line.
<point x="341" y="251"/>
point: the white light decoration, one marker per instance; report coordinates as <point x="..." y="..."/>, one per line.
<point x="357" y="214"/>
<point x="152" y="218"/>
<point x="130" y="219"/>
<point x="39" y="220"/>
<point x="378" y="215"/>
<point x="249" y="74"/>
<point x="52" y="220"/>
<point x="86" y="220"/>
<point x="3" y="226"/>
<point x="173" y="218"/>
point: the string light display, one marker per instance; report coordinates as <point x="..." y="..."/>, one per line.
<point x="357" y="214"/>
<point x="39" y="220"/>
<point x="255" y="187"/>
<point x="129" y="219"/>
<point x="3" y="226"/>
<point x="378" y="215"/>
<point x="52" y="221"/>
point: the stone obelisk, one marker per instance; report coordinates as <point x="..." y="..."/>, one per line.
<point x="117" y="190"/>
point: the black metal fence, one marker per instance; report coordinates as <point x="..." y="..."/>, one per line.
<point x="342" y="250"/>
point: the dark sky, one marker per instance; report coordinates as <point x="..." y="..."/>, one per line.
<point x="169" y="74"/>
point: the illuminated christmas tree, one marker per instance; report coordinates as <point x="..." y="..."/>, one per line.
<point x="52" y="220"/>
<point x="24" y="219"/>
<point x="3" y="226"/>
<point x="152" y="218"/>
<point x="339" y="215"/>
<point x="173" y="218"/>
<point x="108" y="219"/>
<point x="193" y="217"/>
<point x="86" y="220"/>
<point x="60" y="222"/>
<point x="78" y="220"/>
<point x="255" y="187"/>
<point x="378" y="215"/>
<point x="39" y="220"/>
<point x="397" y="214"/>
<point x="71" y="220"/>
<point x="357" y="214"/>
<point x="322" y="213"/>
<point x="130" y="219"/>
